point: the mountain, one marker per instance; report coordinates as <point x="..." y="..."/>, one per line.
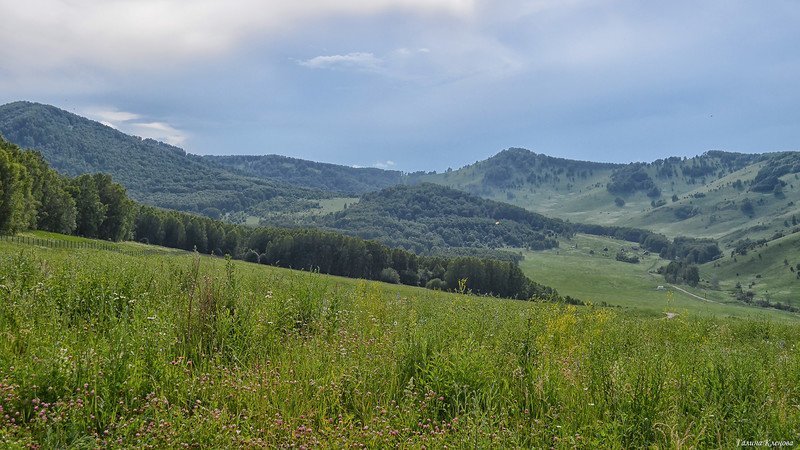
<point x="721" y="195"/>
<point x="428" y="217"/>
<point x="153" y="172"/>
<point x="349" y="181"/>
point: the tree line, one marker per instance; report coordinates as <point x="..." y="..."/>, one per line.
<point x="34" y="196"/>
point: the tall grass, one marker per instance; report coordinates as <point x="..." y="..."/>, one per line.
<point x="104" y="349"/>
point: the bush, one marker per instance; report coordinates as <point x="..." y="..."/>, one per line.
<point x="624" y="257"/>
<point x="390" y="275"/>
<point x="251" y="256"/>
<point x="436" y="284"/>
<point x="619" y="202"/>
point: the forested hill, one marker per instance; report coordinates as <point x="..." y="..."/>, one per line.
<point x="722" y="195"/>
<point x="153" y="172"/>
<point x="429" y="217"/>
<point x="330" y="177"/>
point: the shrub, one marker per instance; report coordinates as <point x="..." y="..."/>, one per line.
<point x="436" y="284"/>
<point x="251" y="256"/>
<point x="390" y="275"/>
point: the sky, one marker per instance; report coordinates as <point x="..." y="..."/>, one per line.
<point x="417" y="84"/>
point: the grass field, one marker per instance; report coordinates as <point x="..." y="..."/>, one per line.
<point x="598" y="277"/>
<point x="175" y="350"/>
<point x="769" y="271"/>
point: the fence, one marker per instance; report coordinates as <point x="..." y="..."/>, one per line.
<point x="67" y="244"/>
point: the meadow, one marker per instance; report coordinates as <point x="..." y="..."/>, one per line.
<point x="175" y="350"/>
<point x="581" y="268"/>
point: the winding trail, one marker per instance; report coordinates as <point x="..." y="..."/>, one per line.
<point x="692" y="295"/>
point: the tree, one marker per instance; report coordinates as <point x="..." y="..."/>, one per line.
<point x="174" y="232"/>
<point x="15" y="192"/>
<point x="149" y="226"/>
<point x="90" y="210"/>
<point x="117" y="225"/>
<point x="196" y="236"/>
<point x="57" y="210"/>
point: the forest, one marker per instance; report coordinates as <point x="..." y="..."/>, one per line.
<point x="34" y="196"/>
<point x="428" y="218"/>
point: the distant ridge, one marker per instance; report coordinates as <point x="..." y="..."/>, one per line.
<point x="153" y="172"/>
<point x="330" y="177"/>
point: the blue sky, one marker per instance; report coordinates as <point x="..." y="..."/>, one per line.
<point x="417" y="84"/>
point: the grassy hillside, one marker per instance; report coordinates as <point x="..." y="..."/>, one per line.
<point x="106" y="349"/>
<point x="328" y="177"/>
<point x="582" y="267"/>
<point x="153" y="172"/>
<point x="769" y="271"/>
<point x="700" y="196"/>
<point x="426" y="217"/>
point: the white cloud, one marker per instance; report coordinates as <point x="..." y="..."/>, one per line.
<point x="146" y="34"/>
<point x="358" y="60"/>
<point x="136" y="124"/>
<point x="388" y="164"/>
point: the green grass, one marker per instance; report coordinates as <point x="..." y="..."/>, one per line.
<point x="105" y="349"/>
<point x="600" y="278"/>
<point x="332" y="205"/>
<point x="764" y="270"/>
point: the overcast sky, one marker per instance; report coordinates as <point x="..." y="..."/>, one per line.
<point x="417" y="84"/>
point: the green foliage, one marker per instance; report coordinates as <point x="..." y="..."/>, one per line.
<point x="684" y="212"/>
<point x="692" y="250"/>
<point x="631" y="179"/>
<point x="389" y="275"/>
<point x="768" y="178"/>
<point x="425" y="217"/>
<point x="625" y="257"/>
<point x="17" y="208"/>
<point x="681" y="272"/>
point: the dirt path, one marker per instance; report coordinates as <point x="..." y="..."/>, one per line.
<point x="692" y="295"/>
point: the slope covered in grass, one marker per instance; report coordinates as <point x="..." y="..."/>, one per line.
<point x="699" y="196"/>
<point x="167" y="351"/>
<point x="585" y="267"/>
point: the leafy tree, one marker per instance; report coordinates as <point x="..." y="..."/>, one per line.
<point x="117" y="224"/>
<point x="90" y="210"/>
<point x="16" y="201"/>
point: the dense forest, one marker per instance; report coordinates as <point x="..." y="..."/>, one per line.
<point x="153" y="172"/>
<point x="329" y="177"/>
<point x="428" y="217"/>
<point x="34" y="196"/>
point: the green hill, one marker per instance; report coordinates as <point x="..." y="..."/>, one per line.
<point x="153" y="172"/>
<point x="763" y="272"/>
<point x="328" y="177"/>
<point x="428" y="217"/>
<point x="703" y="196"/>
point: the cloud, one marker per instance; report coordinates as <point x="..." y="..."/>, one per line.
<point x="384" y="165"/>
<point x="136" y="124"/>
<point x="151" y="34"/>
<point x="358" y="60"/>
